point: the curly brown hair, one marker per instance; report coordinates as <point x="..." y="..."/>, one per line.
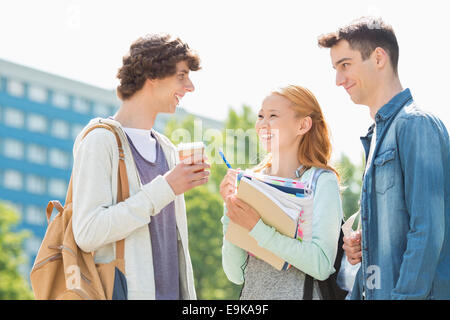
<point x="153" y="56"/>
<point x="365" y="35"/>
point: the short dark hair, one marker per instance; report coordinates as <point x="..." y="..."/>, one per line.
<point x="153" y="56"/>
<point x="365" y="35"/>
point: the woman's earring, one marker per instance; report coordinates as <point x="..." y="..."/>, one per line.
<point x="297" y="171"/>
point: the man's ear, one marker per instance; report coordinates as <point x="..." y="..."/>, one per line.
<point x="149" y="84"/>
<point x="305" y="125"/>
<point x="381" y="57"/>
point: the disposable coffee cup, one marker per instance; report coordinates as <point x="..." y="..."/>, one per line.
<point x="186" y="150"/>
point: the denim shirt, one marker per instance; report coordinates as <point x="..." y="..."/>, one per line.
<point x="405" y="206"/>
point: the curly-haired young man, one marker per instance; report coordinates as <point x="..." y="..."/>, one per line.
<point x="404" y="247"/>
<point x="153" y="78"/>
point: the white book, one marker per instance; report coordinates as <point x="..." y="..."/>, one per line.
<point x="289" y="203"/>
<point x="277" y="209"/>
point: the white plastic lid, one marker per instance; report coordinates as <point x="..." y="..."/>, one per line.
<point x="190" y="146"/>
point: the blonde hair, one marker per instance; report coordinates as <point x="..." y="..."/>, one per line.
<point x="315" y="147"/>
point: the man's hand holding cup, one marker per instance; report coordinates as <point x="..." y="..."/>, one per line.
<point x="191" y="171"/>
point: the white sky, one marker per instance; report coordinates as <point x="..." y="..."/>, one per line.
<point x="246" y="47"/>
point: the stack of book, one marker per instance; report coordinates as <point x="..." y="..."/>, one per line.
<point x="284" y="204"/>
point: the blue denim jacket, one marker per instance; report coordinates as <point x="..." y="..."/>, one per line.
<point x="405" y="206"/>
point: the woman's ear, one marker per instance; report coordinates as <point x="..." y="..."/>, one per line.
<point x="305" y="125"/>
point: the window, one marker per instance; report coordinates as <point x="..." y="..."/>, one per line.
<point x="37" y="154"/>
<point x="14" y="118"/>
<point x="76" y="129"/>
<point x="37" y="93"/>
<point x="60" y="100"/>
<point x="32" y="245"/>
<point x="37" y="123"/>
<point x="60" y="129"/>
<point x="35" y="216"/>
<point x="12" y="179"/>
<point x="13" y="148"/>
<point x="59" y="159"/>
<point x="81" y="105"/>
<point x="15" y="88"/>
<point x="101" y="110"/>
<point x="35" y="184"/>
<point x="58" y="188"/>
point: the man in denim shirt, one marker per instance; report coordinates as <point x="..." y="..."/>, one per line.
<point x="404" y="202"/>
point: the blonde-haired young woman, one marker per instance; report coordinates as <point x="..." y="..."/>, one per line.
<point x="292" y="128"/>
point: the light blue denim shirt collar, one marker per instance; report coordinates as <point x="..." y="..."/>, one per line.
<point x="386" y="112"/>
<point x="393" y="106"/>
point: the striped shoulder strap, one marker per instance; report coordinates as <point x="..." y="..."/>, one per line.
<point x="312" y="183"/>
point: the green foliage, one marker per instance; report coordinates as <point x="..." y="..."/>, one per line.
<point x="242" y="147"/>
<point x="204" y="210"/>
<point x="351" y="180"/>
<point x="12" y="285"/>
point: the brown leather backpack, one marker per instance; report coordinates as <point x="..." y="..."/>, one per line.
<point x="62" y="270"/>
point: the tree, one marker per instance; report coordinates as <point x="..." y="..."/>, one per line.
<point x="204" y="210"/>
<point x="12" y="284"/>
<point x="204" y="204"/>
<point x="351" y="181"/>
<point x="241" y="138"/>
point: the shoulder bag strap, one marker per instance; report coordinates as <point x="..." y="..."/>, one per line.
<point x="123" y="191"/>
<point x="309" y="281"/>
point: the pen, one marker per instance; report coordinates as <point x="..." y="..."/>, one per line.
<point x="224" y="159"/>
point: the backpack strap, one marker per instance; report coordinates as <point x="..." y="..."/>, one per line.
<point x="53" y="204"/>
<point x="309" y="281"/>
<point x="312" y="183"/>
<point x="123" y="190"/>
<point x="308" y="287"/>
<point x="328" y="288"/>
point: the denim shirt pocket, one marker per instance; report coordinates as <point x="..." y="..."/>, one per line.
<point x="384" y="170"/>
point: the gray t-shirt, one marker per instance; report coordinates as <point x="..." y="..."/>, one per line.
<point x="264" y="282"/>
<point x="163" y="229"/>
